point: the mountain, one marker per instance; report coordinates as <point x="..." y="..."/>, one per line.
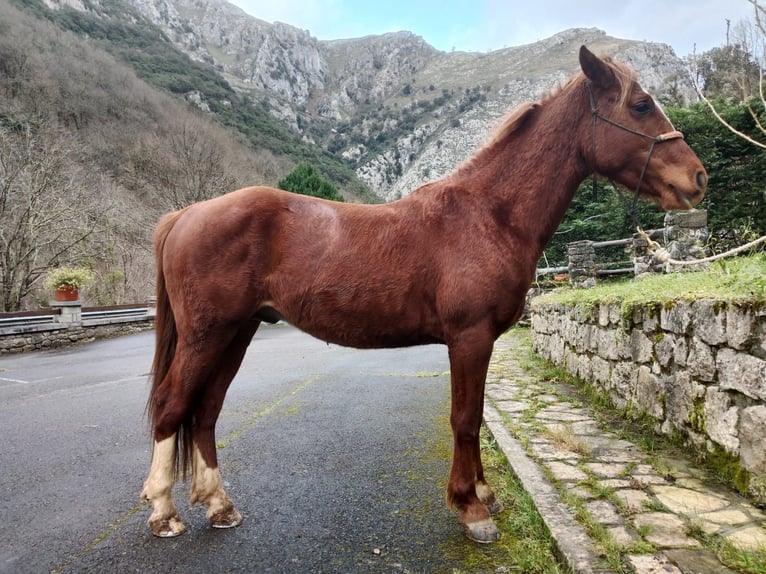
<point x="399" y="111"/>
<point x="396" y="110"/>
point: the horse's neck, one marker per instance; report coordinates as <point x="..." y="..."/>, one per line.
<point x="532" y="174"/>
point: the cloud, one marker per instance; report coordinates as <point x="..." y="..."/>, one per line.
<point x="481" y="25"/>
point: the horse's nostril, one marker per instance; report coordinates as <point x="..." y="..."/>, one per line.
<point x="701" y="180"/>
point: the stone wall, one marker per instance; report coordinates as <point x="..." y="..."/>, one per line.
<point x="50" y="336"/>
<point x="698" y="368"/>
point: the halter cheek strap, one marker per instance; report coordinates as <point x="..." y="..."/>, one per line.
<point x="667" y="136"/>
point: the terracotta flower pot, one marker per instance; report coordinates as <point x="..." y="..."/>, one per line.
<point x="66" y="294"/>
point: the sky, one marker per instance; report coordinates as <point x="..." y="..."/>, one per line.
<point x="485" y="25"/>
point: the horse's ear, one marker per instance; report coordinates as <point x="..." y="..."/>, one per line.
<point x="595" y="69"/>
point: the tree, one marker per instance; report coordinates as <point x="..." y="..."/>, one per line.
<point x="48" y="211"/>
<point x="305" y="180"/>
<point x="736" y="71"/>
<point x="736" y="195"/>
<point x="727" y="72"/>
<point x="181" y="167"/>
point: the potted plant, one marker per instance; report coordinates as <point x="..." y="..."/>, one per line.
<point x="66" y="282"/>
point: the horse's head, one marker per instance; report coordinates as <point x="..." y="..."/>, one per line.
<point x="633" y="142"/>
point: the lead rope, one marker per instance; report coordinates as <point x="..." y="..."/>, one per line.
<point x="662" y="255"/>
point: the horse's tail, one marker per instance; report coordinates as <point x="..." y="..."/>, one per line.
<point x="165" y="344"/>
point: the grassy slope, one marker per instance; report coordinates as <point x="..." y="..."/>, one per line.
<point x="741" y="280"/>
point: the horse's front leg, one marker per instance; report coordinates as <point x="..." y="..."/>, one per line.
<point x="467" y="491"/>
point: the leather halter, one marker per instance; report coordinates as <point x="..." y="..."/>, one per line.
<point x="671" y="135"/>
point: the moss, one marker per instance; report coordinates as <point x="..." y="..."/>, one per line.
<point x="720" y="306"/>
<point x="697" y="415"/>
<point x="728" y="469"/>
<point x="757" y="489"/>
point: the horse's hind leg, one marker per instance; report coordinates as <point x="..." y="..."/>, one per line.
<point x="164" y="521"/>
<point x="207" y="486"/>
<point x="173" y="402"/>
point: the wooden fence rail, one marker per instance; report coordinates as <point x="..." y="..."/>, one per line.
<point x="684" y="234"/>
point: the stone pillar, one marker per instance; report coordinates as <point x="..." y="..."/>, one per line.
<point x="643" y="262"/>
<point x="582" y="264"/>
<point x="71" y="312"/>
<point x="685" y="236"/>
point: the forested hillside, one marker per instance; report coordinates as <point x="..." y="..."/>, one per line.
<point x="91" y="155"/>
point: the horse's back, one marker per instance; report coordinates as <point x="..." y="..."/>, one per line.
<point x="339" y="271"/>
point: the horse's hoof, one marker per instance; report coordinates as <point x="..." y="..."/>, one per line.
<point x="226" y="519"/>
<point x="167" y="527"/>
<point x="482" y="531"/>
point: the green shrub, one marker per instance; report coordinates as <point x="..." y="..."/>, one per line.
<point x="305" y="180"/>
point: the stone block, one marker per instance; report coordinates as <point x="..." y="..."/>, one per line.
<point x="752" y="439"/>
<point x="664" y="350"/>
<point x="584" y="367"/>
<point x="693" y="218"/>
<point x="665" y="530"/>
<point x="624" y="379"/>
<point x="742" y="372"/>
<point x="601" y="370"/>
<point x="680" y="393"/>
<point x="572" y="363"/>
<point x="740" y="327"/>
<point x="608" y="344"/>
<point x="603" y="314"/>
<point x="676" y="317"/>
<point x="709" y="321"/>
<point x="539" y="323"/>
<point x="640" y="347"/>
<point x="701" y="360"/>
<point x="650" y="393"/>
<point x="721" y="418"/>
<point x="681" y="352"/>
<point x="651" y="564"/>
<point x="557" y="348"/>
<point x="615" y="314"/>
<point x="603" y="512"/>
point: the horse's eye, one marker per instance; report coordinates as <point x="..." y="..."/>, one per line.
<point x="643" y="107"/>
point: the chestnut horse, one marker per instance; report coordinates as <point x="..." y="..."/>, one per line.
<point x="450" y="263"/>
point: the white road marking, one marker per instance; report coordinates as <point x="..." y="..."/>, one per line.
<point x="3" y="379"/>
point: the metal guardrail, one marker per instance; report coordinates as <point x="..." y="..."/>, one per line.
<point x="112" y="316"/>
<point x="51" y="319"/>
<point x="26" y="320"/>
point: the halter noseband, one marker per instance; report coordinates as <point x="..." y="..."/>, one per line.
<point x="671" y="135"/>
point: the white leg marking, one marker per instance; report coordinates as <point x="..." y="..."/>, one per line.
<point x="164" y="521"/>
<point x="207" y="488"/>
<point x="483" y="491"/>
<point x="485" y="494"/>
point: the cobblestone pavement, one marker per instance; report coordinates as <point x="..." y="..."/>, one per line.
<point x="596" y="490"/>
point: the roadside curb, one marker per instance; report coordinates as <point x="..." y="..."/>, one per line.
<point x="573" y="545"/>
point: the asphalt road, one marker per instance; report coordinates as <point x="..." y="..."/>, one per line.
<point x="338" y="459"/>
